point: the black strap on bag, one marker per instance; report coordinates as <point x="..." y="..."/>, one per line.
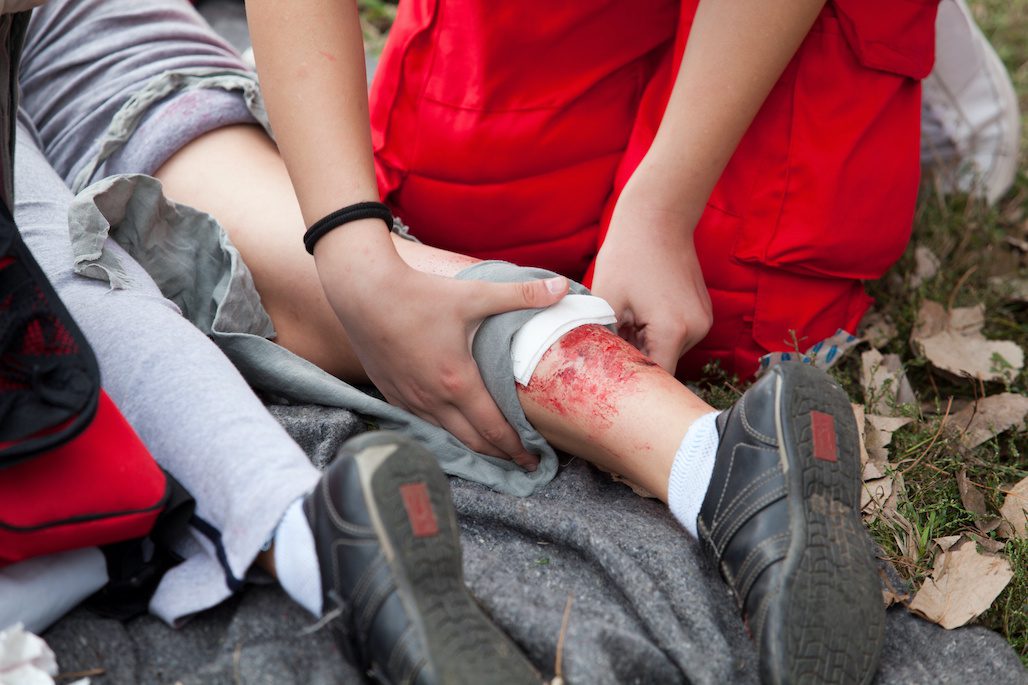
<point x="49" y="379"/>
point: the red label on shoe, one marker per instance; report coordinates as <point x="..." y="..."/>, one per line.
<point x="419" y="510"/>
<point x="823" y="427"/>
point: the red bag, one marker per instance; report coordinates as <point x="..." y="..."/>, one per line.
<point x="73" y="473"/>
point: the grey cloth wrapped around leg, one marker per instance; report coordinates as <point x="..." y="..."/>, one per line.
<point x="190" y="257"/>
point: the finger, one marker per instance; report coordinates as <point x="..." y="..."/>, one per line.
<point x="492" y="425"/>
<point x="455" y="422"/>
<point x="496" y="298"/>
<point x="450" y="419"/>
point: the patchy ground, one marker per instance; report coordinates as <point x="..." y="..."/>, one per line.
<point x="941" y="391"/>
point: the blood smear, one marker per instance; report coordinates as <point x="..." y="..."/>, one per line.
<point x="591" y="373"/>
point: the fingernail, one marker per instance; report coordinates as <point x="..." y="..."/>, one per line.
<point x="556" y="284"/>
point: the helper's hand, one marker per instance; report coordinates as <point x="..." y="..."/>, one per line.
<point x="648" y="271"/>
<point x="412" y="332"/>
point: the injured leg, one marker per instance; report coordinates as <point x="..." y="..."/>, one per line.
<point x="596" y="396"/>
<point x="770" y="487"/>
<point x="592" y="394"/>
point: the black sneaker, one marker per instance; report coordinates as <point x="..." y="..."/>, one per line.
<point x="782" y="521"/>
<point x="388" y="544"/>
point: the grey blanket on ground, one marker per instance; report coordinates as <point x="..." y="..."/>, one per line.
<point x="646" y="607"/>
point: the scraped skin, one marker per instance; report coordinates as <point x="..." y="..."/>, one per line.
<point x="592" y="395"/>
<point x="595" y="396"/>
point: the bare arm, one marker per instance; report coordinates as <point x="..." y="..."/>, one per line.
<point x="410" y="330"/>
<point x="647" y="267"/>
<point x="310" y="56"/>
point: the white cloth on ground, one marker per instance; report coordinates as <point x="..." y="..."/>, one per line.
<point x="38" y="591"/>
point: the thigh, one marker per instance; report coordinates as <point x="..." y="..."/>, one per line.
<point x="236" y="175"/>
<point x="84" y="59"/>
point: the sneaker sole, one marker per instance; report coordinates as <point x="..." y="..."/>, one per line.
<point x="830" y="604"/>
<point x="408" y="498"/>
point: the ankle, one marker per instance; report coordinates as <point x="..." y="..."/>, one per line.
<point x="692" y="470"/>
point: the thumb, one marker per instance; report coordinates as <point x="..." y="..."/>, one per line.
<point x="496" y="298"/>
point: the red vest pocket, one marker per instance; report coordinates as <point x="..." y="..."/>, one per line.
<point x="836" y="148"/>
<point x="897" y="36"/>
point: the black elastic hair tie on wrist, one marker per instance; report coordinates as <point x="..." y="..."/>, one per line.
<point x="361" y="210"/>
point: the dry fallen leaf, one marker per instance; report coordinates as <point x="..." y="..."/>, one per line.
<point x="875" y="496"/>
<point x="944" y="543"/>
<point x="926" y="265"/>
<point x="1005" y="529"/>
<point x="637" y="489"/>
<point x="971" y="497"/>
<point x="878" y="435"/>
<point x="872" y="471"/>
<point x="879" y="497"/>
<point x="884" y="382"/>
<point x="1018" y="243"/>
<point x="1014" y="289"/>
<point x="953" y="342"/>
<point x="987" y="543"/>
<point x="990" y="416"/>
<point x="858" y="414"/>
<point x="1015" y="508"/>
<point x="931" y="320"/>
<point x="890" y="597"/>
<point x="967" y="320"/>
<point x="963" y="584"/>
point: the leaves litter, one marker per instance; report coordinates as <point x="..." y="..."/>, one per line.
<point x="953" y="342"/>
<point x="885" y="383"/>
<point x="963" y="584"/>
<point x="1015" y="508"/>
<point x="983" y="420"/>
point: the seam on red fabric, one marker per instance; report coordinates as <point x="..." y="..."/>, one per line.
<point x="416" y="146"/>
<point x="86" y="518"/>
<point x="789" y="154"/>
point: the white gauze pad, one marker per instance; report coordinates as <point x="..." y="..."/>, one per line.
<point x="540" y="332"/>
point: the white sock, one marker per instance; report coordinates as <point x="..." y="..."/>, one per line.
<point x="692" y="470"/>
<point x="296" y="561"/>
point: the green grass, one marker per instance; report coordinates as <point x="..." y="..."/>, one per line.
<point x="969" y="239"/>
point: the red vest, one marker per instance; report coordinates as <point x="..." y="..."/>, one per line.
<point x="506" y="132"/>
